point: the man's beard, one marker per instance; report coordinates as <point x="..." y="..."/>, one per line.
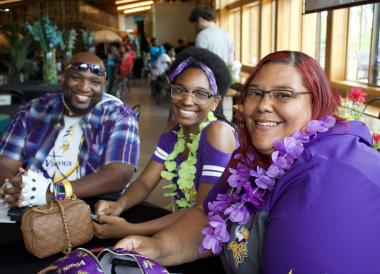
<point x="72" y="109"/>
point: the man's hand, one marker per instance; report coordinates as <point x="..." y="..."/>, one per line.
<point x="108" y="208"/>
<point x="147" y="246"/>
<point x="35" y="188"/>
<point x="111" y="227"/>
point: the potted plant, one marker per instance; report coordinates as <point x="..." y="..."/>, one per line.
<point x="15" y="56"/>
<point x="48" y="37"/>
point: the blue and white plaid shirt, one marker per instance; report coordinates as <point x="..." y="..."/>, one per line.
<point x="110" y="133"/>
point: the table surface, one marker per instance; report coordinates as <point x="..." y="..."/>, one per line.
<point x="14" y="258"/>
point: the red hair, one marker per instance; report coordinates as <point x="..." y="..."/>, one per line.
<point x="324" y="100"/>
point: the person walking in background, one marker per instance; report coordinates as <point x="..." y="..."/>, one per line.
<point x="155" y="51"/>
<point x="210" y="36"/>
<point x="159" y="80"/>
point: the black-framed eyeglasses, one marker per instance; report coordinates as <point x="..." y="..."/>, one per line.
<point x="82" y="67"/>
<point x="275" y="95"/>
<point x="199" y="95"/>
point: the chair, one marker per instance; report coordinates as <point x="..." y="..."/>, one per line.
<point x="15" y="96"/>
<point x="160" y="87"/>
<point x="369" y="103"/>
<point x="137" y="110"/>
<point x="10" y="100"/>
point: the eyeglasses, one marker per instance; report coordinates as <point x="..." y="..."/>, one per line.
<point x="199" y="95"/>
<point x="276" y="95"/>
<point x="82" y="67"/>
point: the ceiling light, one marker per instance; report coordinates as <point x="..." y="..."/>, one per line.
<point x="135" y="5"/>
<point x="124" y="1"/>
<point x="9" y="1"/>
<point x="137" y="9"/>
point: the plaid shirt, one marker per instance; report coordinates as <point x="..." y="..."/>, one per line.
<point x="110" y="133"/>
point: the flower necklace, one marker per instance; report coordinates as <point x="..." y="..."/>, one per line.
<point x="233" y="205"/>
<point x="187" y="170"/>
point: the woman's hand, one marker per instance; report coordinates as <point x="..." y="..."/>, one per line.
<point x="147" y="246"/>
<point x="112" y="227"/>
<point x="11" y="190"/>
<point x="109" y="208"/>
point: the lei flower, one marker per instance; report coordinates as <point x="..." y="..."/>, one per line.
<point x="187" y="170"/>
<point x="232" y="207"/>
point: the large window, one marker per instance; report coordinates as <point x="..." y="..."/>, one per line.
<point x="375" y="49"/>
<point x="361" y="66"/>
<point x="251" y="34"/>
<point x="314" y="35"/>
<point x="234" y="30"/>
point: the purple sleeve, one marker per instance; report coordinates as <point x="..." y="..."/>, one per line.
<point x="164" y="147"/>
<point x="220" y="187"/>
<point x="212" y="161"/>
<point x="326" y="221"/>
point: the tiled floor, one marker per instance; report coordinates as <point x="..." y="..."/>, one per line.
<point x="153" y="120"/>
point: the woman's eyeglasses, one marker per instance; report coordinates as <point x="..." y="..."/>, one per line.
<point x="276" y="95"/>
<point x="82" y="67"/>
<point x="199" y="95"/>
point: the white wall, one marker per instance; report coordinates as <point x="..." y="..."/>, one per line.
<point x="170" y="22"/>
<point x="125" y="22"/>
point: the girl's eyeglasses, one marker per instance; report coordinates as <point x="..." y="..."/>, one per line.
<point x="199" y="95"/>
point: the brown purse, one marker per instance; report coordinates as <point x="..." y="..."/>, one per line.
<point x="56" y="227"/>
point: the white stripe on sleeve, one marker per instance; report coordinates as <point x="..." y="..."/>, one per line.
<point x="213" y="168"/>
<point x="161" y="154"/>
<point x="211" y="173"/>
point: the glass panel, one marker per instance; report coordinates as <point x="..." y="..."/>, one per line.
<point x="234" y="30"/>
<point x="359" y="42"/>
<point x="251" y="31"/>
<point x="376" y="54"/>
<point x="321" y="56"/>
<point x="314" y="28"/>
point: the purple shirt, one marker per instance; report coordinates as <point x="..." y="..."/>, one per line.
<point x="324" y="213"/>
<point x="210" y="161"/>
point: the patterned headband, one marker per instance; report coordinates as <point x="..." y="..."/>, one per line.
<point x="190" y="61"/>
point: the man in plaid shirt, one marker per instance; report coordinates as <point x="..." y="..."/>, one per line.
<point x="79" y="142"/>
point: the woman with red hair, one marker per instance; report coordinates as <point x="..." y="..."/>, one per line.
<point x="301" y="194"/>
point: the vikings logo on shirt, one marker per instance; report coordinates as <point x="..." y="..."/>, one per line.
<point x="239" y="245"/>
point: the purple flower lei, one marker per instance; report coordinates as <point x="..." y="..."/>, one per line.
<point x="233" y="205"/>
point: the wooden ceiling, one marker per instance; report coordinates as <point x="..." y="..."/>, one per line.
<point x="105" y="5"/>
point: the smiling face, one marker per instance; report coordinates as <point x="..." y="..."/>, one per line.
<point x="82" y="90"/>
<point x="188" y="113"/>
<point x="268" y="121"/>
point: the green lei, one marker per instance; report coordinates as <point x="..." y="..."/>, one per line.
<point x="187" y="170"/>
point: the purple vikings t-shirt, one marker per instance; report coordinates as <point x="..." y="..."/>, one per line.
<point x="323" y="215"/>
<point x="210" y="161"/>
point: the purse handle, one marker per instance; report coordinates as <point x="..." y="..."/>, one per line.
<point x="63" y="213"/>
